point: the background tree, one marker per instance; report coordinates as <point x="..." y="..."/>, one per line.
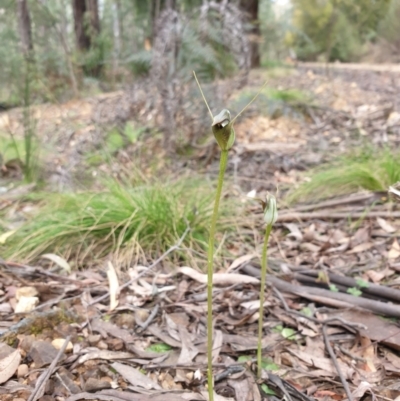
<point x="335" y="28"/>
<point x="250" y="8"/>
<point x="24" y="28"/>
<point x="87" y="33"/>
<point x="389" y="28"/>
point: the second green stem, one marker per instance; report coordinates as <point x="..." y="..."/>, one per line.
<point x="210" y="271"/>
<point x="262" y="297"/>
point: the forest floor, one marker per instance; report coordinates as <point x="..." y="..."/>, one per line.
<point x="332" y="309"/>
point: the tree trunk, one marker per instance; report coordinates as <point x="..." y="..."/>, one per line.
<point x="24" y="27"/>
<point x="116" y="8"/>
<point x="250" y="8"/>
<point x="93" y="10"/>
<point x="87" y="29"/>
<point x="81" y="35"/>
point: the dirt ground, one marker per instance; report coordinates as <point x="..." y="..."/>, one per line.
<point x="331" y="327"/>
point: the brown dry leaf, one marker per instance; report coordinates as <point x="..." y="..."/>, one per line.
<point x="189" y="351"/>
<point x="361" y="236"/>
<point x="374" y="276"/>
<point x="114" y="286"/>
<point x="240" y="343"/>
<point x="308" y="246"/>
<point x="135" y="377"/>
<point x="223" y="279"/>
<point x="339" y="237"/>
<point x="377" y="329"/>
<point x="361" y="247"/>
<point x="394" y="251"/>
<point x="362" y="388"/>
<point x="9" y="362"/>
<point x="243" y="390"/>
<point x="323" y="363"/>
<point x="156" y="331"/>
<point x="392" y="362"/>
<point x="294" y="231"/>
<point x="385" y="225"/>
<point x="58" y="260"/>
<point x="309" y="233"/>
<point x="217" y="397"/>
<point x="118" y="395"/>
<point x="167" y="381"/>
<point x="368" y="353"/>
<point x="105" y="328"/>
<point x="239" y="261"/>
<point x="105" y="354"/>
<point x="327" y="393"/>
<point x="217" y="345"/>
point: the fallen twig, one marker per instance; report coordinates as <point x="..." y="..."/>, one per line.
<point x="41" y="382"/>
<point x="145" y="325"/>
<point x="328" y="215"/>
<point x="335" y="362"/>
<point x="378" y="291"/>
<point x="343" y="299"/>
<point x="315" y="320"/>
<point x="370" y="196"/>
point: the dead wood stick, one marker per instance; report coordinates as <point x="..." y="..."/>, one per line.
<point x="152" y="266"/>
<point x="144" y="325"/>
<point x="347" y="300"/>
<point x="379" y="291"/>
<point x="337" y="202"/>
<point x="105" y="397"/>
<point x="335" y="362"/>
<point x="327" y="215"/>
<point x="39" y="388"/>
<point x="314" y="319"/>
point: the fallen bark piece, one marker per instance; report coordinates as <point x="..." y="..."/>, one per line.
<point x="93" y="385"/>
<point x="66" y="379"/>
<point x="377" y="328"/>
<point x="9" y="362"/>
<point x="223" y="279"/>
<point x="42" y="353"/>
<point x="135" y="377"/>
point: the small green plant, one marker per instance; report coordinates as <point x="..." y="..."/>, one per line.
<point x="354" y="291"/>
<point x="222" y="128"/>
<point x="159" y="348"/>
<point x="361" y="283"/>
<point x="333" y="288"/>
<point x="267" y="390"/>
<point x="270" y="216"/>
<point x="368" y="170"/>
<point x="306" y="311"/>
<point x="285" y="332"/>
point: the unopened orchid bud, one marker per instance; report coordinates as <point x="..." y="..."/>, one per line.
<point x="270" y="210"/>
<point x="223" y="130"/>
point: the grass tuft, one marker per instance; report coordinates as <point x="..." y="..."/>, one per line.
<point x="366" y="170"/>
<point x="133" y="223"/>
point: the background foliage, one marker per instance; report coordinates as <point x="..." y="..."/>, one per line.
<point x="124" y="48"/>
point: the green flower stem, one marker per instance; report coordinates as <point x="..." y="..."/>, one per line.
<point x="262" y="296"/>
<point x="210" y="270"/>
